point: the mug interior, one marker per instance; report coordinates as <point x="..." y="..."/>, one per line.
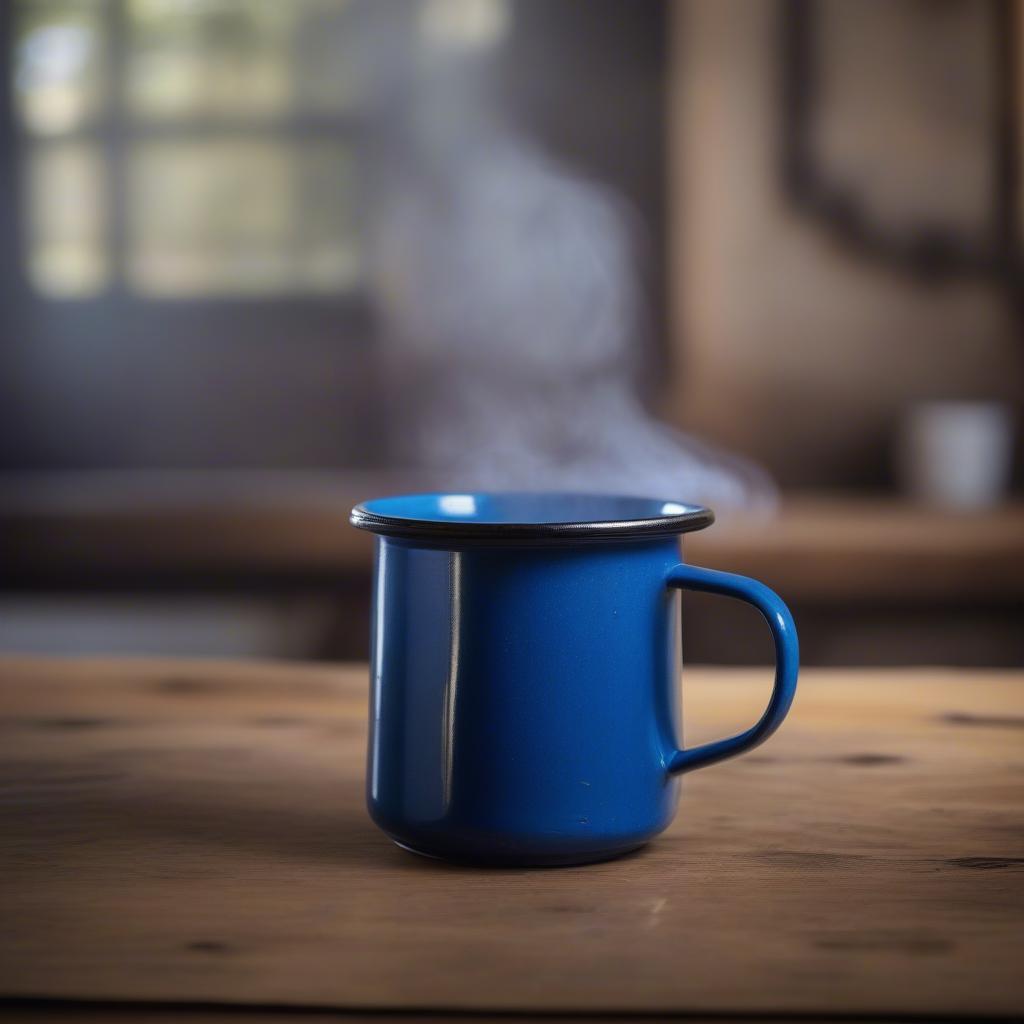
<point x="527" y="515"/>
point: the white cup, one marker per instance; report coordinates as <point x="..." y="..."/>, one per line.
<point x="957" y="455"/>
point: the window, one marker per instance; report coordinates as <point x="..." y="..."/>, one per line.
<point x="194" y="187"/>
<point x="187" y="148"/>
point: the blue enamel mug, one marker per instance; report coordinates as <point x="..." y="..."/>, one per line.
<point x="524" y="672"/>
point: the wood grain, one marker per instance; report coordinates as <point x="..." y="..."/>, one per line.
<point x="114" y="1013"/>
<point x="195" y="832"/>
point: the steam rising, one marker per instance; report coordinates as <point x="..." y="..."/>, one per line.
<point x="509" y="294"/>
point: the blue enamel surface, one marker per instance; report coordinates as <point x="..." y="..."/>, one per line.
<point x="524" y="701"/>
<point x="787" y="661"/>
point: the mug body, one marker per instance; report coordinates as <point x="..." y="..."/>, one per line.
<point x="524" y="699"/>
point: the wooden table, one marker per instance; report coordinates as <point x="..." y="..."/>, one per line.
<point x="191" y="836"/>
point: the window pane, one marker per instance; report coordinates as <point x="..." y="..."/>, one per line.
<point x="66" y="220"/>
<point x="58" y="63"/>
<point x="240" y="58"/>
<point x="211" y="217"/>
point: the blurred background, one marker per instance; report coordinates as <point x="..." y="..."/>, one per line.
<point x="262" y="260"/>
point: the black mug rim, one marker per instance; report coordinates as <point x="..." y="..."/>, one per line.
<point x="688" y="519"/>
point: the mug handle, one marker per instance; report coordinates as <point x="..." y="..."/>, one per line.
<point x="787" y="660"/>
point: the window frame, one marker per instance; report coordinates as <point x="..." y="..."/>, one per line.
<point x="114" y="130"/>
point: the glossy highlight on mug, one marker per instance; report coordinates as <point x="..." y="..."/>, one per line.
<point x="452" y="687"/>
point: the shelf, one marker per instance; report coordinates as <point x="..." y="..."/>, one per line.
<point x="157" y="529"/>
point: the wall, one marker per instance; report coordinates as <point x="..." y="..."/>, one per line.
<point x="786" y="346"/>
